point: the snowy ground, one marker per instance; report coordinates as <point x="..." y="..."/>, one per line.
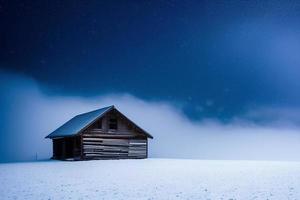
<point x="150" y="179"/>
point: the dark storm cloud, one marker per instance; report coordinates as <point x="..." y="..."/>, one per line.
<point x="217" y="58"/>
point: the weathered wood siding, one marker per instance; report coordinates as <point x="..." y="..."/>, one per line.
<point x="105" y="143"/>
<point x="95" y="147"/>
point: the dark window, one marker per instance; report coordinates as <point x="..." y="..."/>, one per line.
<point x="113" y="124"/>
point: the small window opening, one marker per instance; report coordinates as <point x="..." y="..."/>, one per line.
<point x="113" y="124"/>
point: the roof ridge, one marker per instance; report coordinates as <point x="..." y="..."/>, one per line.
<point x="80" y="122"/>
<point x="107" y="107"/>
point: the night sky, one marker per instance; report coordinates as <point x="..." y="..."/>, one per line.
<point x="214" y="58"/>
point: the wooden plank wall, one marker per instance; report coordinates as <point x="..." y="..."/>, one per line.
<point x="113" y="147"/>
<point x="101" y="142"/>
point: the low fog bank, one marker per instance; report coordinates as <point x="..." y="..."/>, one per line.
<point x="28" y="114"/>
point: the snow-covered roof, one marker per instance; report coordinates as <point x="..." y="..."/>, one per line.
<point x="79" y="122"/>
<point x="82" y="121"/>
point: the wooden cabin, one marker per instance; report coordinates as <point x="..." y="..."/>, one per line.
<point x="100" y="134"/>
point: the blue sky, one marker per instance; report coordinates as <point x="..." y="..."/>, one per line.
<point x="233" y="62"/>
<point x="216" y="59"/>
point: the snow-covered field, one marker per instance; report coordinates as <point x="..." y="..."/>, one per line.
<point x="150" y="179"/>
